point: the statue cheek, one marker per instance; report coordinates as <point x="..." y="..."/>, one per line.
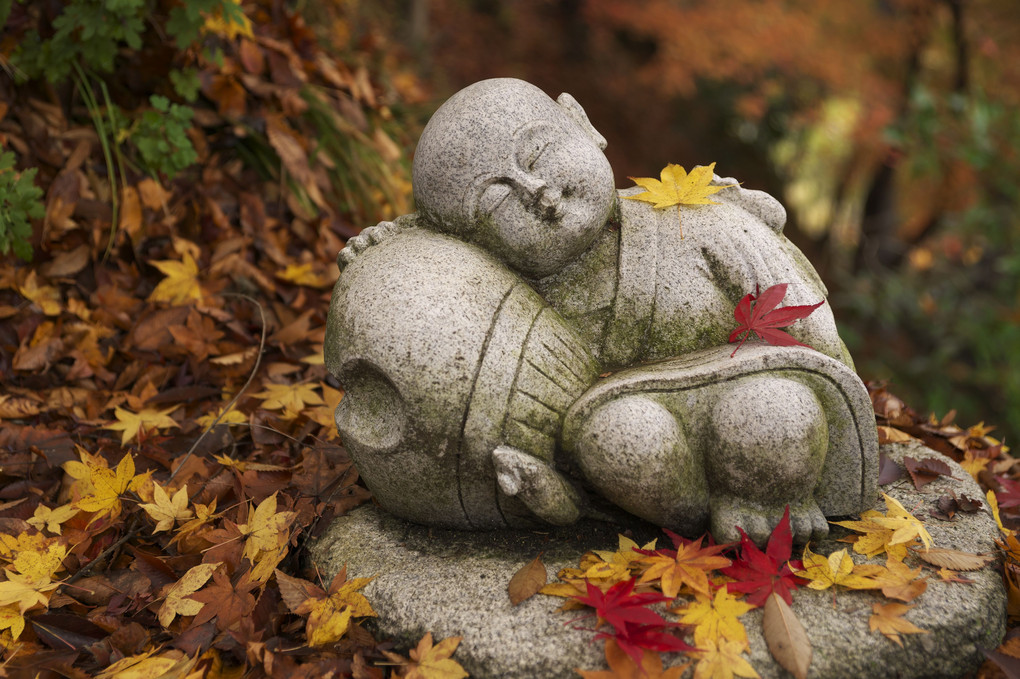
<point x="372" y="416"/>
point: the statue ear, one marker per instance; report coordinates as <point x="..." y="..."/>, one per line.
<point x="537" y="485"/>
<point x="576" y="112"/>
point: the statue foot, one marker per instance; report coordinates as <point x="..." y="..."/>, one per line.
<point x="806" y="520"/>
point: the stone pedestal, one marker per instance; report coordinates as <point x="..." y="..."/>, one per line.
<point x="454" y="583"/>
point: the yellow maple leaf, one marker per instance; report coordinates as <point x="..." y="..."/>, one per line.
<point x="266" y="563"/>
<point x="722" y="660"/>
<point x="228" y="26"/>
<point x="327" y="622"/>
<point x="624" y="554"/>
<point x="204" y="515"/>
<point x="899" y="581"/>
<point x="12" y="545"/>
<point x="181" y="283"/>
<point x="130" y="424"/>
<point x="266" y="529"/>
<point x="25" y="591"/>
<point x="329" y="616"/>
<point x="875" y="538"/>
<point x="50" y="519"/>
<point x="906" y="527"/>
<point x="835" y="569"/>
<point x="108" y="486"/>
<point x="12" y="619"/>
<point x="46" y="297"/>
<point x="325" y="414"/>
<point x="81" y="471"/>
<point x="145" y="665"/>
<point x="304" y="274"/>
<point x="676" y="186"/>
<point x="39" y="565"/>
<point x="974" y="464"/>
<point x="431" y="662"/>
<point x="291" y="398"/>
<point x="177" y="601"/>
<point x="233" y="416"/>
<point x="715" y="618"/>
<point x="166" y="510"/>
<point x="887" y="619"/>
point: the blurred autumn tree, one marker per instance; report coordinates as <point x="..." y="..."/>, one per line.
<point x="889" y="128"/>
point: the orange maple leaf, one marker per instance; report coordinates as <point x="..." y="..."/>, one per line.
<point x="887" y="619"/>
<point x="689" y="565"/>
<point x="622" y="666"/>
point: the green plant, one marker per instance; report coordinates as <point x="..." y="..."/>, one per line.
<point x="19" y="202"/>
<point x="160" y="135"/>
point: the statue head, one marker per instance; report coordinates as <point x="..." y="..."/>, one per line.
<point x="502" y="165"/>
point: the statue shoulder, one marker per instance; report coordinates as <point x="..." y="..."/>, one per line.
<point x="373" y="235"/>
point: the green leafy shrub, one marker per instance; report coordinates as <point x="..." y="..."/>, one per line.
<point x="160" y="135"/>
<point x="19" y="202"/>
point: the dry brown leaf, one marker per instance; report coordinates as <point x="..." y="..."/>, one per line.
<point x="953" y="559"/>
<point x="130" y="212"/>
<point x="893" y="435"/>
<point x="67" y="263"/>
<point x="17" y="407"/>
<point x="527" y="581"/>
<point x="785" y="636"/>
<point x="923" y="472"/>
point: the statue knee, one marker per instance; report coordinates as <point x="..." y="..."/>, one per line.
<point x="634" y="451"/>
<point x="770" y="437"/>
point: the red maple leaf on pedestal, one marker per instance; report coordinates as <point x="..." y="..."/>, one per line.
<point x="758" y="574"/>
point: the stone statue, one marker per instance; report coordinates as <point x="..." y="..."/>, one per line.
<point x="528" y="346"/>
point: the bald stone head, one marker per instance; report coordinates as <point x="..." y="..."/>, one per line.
<point x="505" y="167"/>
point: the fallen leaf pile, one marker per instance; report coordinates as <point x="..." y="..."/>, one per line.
<point x="167" y="444"/>
<point x="709" y="587"/>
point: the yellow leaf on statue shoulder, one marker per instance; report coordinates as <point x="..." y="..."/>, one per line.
<point x="676" y="186"/>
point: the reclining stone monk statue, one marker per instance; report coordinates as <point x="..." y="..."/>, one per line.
<point x="529" y="345"/>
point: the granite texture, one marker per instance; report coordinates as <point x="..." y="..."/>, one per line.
<point x="453" y="583"/>
<point x="475" y="342"/>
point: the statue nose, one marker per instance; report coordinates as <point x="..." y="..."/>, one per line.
<point x="546" y="198"/>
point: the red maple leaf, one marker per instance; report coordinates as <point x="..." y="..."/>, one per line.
<point x="756" y="312"/>
<point x="1009" y="496"/>
<point x="759" y="574"/>
<point x="634" y="640"/>
<point x="619" y="606"/>
<point x="636" y="628"/>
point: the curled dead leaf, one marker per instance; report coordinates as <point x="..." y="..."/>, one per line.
<point x="923" y="472"/>
<point x="527" y="581"/>
<point x="953" y="559"/>
<point x="787" y="641"/>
